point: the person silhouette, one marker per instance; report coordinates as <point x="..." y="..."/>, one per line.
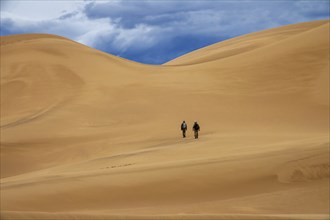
<point x="184" y="129"/>
<point x="196" y="129"/>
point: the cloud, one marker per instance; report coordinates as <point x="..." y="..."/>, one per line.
<point x="199" y="23"/>
<point x="68" y="15"/>
<point x="314" y="9"/>
<point x="155" y="31"/>
<point x="71" y="28"/>
<point x="132" y="13"/>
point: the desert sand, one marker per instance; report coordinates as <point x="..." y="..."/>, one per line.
<point x="88" y="135"/>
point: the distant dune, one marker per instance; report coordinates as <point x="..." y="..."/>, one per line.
<point x="88" y="135"/>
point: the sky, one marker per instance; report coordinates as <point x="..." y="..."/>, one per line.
<point x="154" y="31"/>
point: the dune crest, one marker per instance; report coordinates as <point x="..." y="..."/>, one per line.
<point x="85" y="134"/>
<point x="246" y="43"/>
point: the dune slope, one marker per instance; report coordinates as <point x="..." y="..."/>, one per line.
<point x="85" y="134"/>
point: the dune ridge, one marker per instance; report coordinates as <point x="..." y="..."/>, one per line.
<point x="85" y="134"/>
<point x="246" y="43"/>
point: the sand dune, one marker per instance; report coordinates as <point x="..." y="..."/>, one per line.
<point x="87" y="135"/>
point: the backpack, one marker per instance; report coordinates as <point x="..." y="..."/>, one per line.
<point x="196" y="127"/>
<point x="183" y="126"/>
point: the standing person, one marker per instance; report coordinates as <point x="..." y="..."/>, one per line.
<point x="184" y="129"/>
<point x="196" y="129"/>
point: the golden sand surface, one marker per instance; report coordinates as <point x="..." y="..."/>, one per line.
<point x="88" y="135"/>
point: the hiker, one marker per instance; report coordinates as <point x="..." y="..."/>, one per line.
<point x="184" y="129"/>
<point x="196" y="129"/>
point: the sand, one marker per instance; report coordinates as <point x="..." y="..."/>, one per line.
<point x="87" y="135"/>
